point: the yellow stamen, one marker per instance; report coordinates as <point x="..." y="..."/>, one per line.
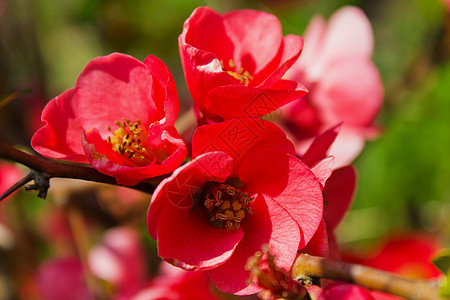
<point x="243" y="76"/>
<point x="130" y="140"/>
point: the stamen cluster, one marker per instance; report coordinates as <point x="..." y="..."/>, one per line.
<point x="129" y="140"/>
<point x="226" y="204"/>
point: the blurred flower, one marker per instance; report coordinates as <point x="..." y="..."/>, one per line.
<point x="447" y="4"/>
<point x="345" y="86"/>
<point x="119" y="259"/>
<point x="63" y="279"/>
<point x="9" y="175"/>
<point x="233" y="63"/>
<point x="138" y="98"/>
<point x="219" y="209"/>
<point x="408" y="255"/>
<point x="173" y="283"/>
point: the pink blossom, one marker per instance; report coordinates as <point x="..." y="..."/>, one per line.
<point x="345" y="86"/>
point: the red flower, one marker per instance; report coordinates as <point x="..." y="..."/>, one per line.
<point x="233" y="63"/>
<point x="216" y="211"/>
<point x="137" y="100"/>
<point x="63" y="279"/>
<point x="345" y="86"/>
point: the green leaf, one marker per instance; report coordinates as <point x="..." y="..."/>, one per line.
<point x="442" y="261"/>
<point x="445" y="287"/>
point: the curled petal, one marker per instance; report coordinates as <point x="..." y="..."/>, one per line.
<point x="164" y="89"/>
<point x="60" y="137"/>
<point x="113" y="88"/>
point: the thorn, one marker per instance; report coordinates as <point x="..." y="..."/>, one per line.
<point x="17" y="185"/>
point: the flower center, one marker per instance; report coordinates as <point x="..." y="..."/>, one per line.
<point x="130" y="140"/>
<point x="242" y="75"/>
<point x="226" y="204"/>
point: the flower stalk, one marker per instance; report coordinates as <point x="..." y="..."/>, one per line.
<point x="63" y="170"/>
<point x="307" y="266"/>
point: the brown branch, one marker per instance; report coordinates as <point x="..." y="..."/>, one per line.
<point x="307" y="266"/>
<point x="65" y="170"/>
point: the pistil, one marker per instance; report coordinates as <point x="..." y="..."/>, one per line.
<point x="226" y="205"/>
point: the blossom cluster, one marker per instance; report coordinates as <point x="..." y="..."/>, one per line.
<point x="252" y="177"/>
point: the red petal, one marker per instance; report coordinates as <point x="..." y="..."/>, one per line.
<point x="205" y="30"/>
<point x="180" y="188"/>
<point x="290" y="183"/>
<point x="240" y="137"/>
<point x="339" y="191"/>
<point x="256" y="36"/>
<point x="106" y="161"/>
<point x="292" y="47"/>
<point x="269" y="224"/>
<point x="164" y="94"/>
<point x="60" y="137"/>
<point x="318" y="245"/>
<point x="113" y="88"/>
<point x="323" y="169"/>
<point x="235" y="101"/>
<point x="320" y="146"/>
<point x="187" y="239"/>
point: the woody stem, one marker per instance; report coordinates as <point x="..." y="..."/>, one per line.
<point x="307" y="266"/>
<point x="53" y="169"/>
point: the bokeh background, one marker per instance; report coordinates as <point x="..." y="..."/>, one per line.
<point x="404" y="175"/>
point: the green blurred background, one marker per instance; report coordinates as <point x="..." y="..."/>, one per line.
<point x="404" y="175"/>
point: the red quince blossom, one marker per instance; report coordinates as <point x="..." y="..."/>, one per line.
<point x="244" y="188"/>
<point x="233" y="63"/>
<point x="345" y="86"/>
<point x="119" y="117"/>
